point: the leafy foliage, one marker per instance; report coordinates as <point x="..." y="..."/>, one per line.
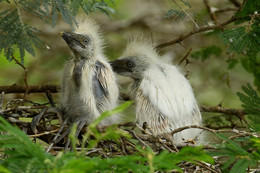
<point x="22" y="155"/>
<point x="239" y="158"/>
<point x="206" y="52"/>
<point x="251" y="104"/>
<point x="16" y="33"/>
<point x="178" y="13"/>
<point x="245" y="39"/>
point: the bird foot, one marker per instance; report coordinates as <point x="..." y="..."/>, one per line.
<point x="44" y="113"/>
<point x="58" y="137"/>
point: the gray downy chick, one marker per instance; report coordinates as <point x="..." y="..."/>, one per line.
<point x="88" y="84"/>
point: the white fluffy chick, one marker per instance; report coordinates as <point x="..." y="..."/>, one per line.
<point x="164" y="98"/>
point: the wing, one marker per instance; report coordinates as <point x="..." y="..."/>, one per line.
<point x="104" y="86"/>
<point x="167" y="98"/>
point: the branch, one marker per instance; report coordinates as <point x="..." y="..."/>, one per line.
<point x="124" y="96"/>
<point x="219" y="109"/>
<point x="235" y="2"/>
<point x="31" y="89"/>
<point x="25" y="75"/>
<point x="195" y="31"/>
<point x="212" y="14"/>
<point x="203" y="128"/>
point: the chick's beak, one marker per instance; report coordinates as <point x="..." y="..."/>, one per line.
<point x="66" y="36"/>
<point x="71" y="38"/>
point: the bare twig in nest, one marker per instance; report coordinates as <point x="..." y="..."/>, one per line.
<point x="244" y="134"/>
<point x="49" y="96"/>
<point x="203" y="128"/>
<point x="195" y="31"/>
<point x="25" y="75"/>
<point x="44" y="133"/>
<point x="124" y="96"/>
<point x="208" y="167"/>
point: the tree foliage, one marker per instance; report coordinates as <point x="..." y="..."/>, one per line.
<point x="240" y="152"/>
<point x="16" y="33"/>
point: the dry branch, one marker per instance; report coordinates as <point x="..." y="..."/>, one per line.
<point x="124" y="96"/>
<point x="195" y="31"/>
<point x="219" y="109"/>
<point x="25" y="75"/>
<point x="31" y="89"/>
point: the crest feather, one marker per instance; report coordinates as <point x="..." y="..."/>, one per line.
<point x="141" y="45"/>
<point x="87" y="26"/>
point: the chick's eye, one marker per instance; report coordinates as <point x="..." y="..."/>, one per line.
<point x="130" y="64"/>
<point x="86" y="41"/>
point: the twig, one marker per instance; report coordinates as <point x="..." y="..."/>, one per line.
<point x="197" y="26"/>
<point x="243" y="135"/>
<point x="31" y="89"/>
<point x="206" y="167"/>
<point x="25" y="76"/>
<point x="185" y="57"/>
<point x="212" y="14"/>
<point x="139" y="139"/>
<point x="49" y="96"/>
<point x="195" y="31"/>
<point x="225" y="10"/>
<point x="44" y="133"/>
<point x="235" y="2"/>
<point x="219" y="109"/>
<point x="1" y="101"/>
<point x="203" y="128"/>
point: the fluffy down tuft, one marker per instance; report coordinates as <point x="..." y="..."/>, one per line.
<point x="87" y="26"/>
<point x="140" y="45"/>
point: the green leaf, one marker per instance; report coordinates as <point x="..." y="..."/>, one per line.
<point x="250" y="7"/>
<point x="206" y="53"/>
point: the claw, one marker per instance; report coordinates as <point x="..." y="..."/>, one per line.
<point x="37" y="118"/>
<point x="57" y="138"/>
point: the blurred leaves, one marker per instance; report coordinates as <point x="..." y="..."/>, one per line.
<point x="251" y="104"/>
<point x="178" y="13"/>
<point x="15" y="33"/>
<point x="239" y="159"/>
<point x="206" y="53"/>
<point x="22" y="155"/>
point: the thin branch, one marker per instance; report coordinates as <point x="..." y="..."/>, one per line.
<point x="197" y="26"/>
<point x="212" y="14"/>
<point x="44" y="133"/>
<point x="25" y="75"/>
<point x="219" y="109"/>
<point x="124" y="96"/>
<point x="235" y="2"/>
<point x="185" y="57"/>
<point x="2" y="101"/>
<point x="225" y="10"/>
<point x="195" y="31"/>
<point x="31" y="89"/>
<point x="203" y="128"/>
<point x="49" y="96"/>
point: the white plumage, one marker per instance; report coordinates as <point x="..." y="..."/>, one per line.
<point x="163" y="96"/>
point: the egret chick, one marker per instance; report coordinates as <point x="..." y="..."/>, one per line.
<point x="88" y="85"/>
<point x="164" y="98"/>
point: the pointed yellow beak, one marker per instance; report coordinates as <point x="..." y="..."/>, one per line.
<point x="61" y="33"/>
